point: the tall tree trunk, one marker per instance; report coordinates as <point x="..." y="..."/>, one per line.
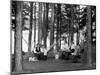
<point x="60" y="27"/>
<point x="89" y="35"/>
<point x="38" y="19"/>
<point x="18" y="37"/>
<point x="58" y="24"/>
<point x="34" y="24"/>
<point x="52" y="25"/>
<point x="71" y="26"/>
<point x="78" y="34"/>
<point x="46" y="23"/>
<point x="59" y="33"/>
<point x="31" y="26"/>
<point x="40" y="23"/>
<point x="43" y="22"/>
<point x="13" y="61"/>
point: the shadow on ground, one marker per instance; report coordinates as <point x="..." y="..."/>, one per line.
<point x="52" y="65"/>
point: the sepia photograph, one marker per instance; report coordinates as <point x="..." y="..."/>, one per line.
<point x="52" y="37"/>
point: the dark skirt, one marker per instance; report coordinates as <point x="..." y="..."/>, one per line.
<point x="65" y="55"/>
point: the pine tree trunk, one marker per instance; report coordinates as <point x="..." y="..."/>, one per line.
<point x="40" y="23"/>
<point x="43" y="22"/>
<point x="59" y="32"/>
<point x="18" y="37"/>
<point x="58" y="25"/>
<point x="46" y="23"/>
<point x="30" y="29"/>
<point x="78" y="34"/>
<point x="57" y="15"/>
<point x="89" y="36"/>
<point x="70" y="27"/>
<point x="52" y="25"/>
<point x="57" y="29"/>
<point x="34" y="24"/>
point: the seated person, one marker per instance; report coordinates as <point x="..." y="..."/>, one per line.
<point x="44" y="51"/>
<point x="73" y="49"/>
<point x="75" y="54"/>
<point x="37" y="51"/>
<point x="65" y="51"/>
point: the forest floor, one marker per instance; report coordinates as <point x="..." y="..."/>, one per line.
<point x="52" y="65"/>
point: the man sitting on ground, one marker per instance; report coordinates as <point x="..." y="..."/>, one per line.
<point x="75" y="53"/>
<point x="37" y="51"/>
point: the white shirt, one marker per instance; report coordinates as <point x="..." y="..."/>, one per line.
<point x="73" y="46"/>
<point x="34" y="50"/>
<point x="76" y="50"/>
<point x="44" y="50"/>
<point x="65" y="47"/>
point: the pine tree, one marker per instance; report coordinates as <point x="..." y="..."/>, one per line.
<point x="30" y="27"/>
<point x="46" y="7"/>
<point x="40" y="23"/>
<point x="34" y="24"/>
<point x="18" y="37"/>
<point x="52" y="25"/>
<point x="89" y="60"/>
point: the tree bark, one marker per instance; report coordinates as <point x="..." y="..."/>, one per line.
<point x="18" y="37"/>
<point x="31" y="26"/>
<point x="52" y="25"/>
<point x="89" y="59"/>
<point x="34" y="24"/>
<point x="58" y="24"/>
<point x="46" y="23"/>
<point x="78" y="34"/>
<point x="40" y="23"/>
<point x="71" y="27"/>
